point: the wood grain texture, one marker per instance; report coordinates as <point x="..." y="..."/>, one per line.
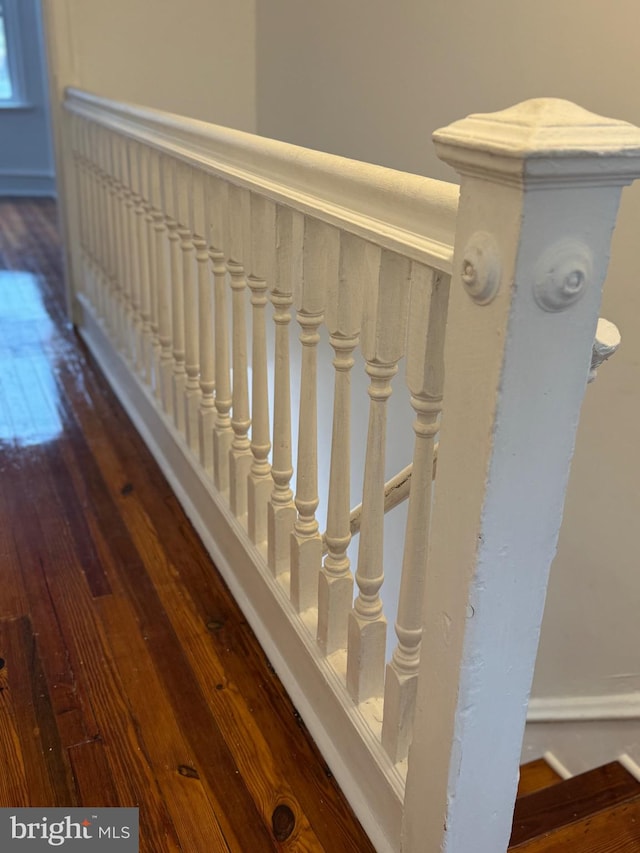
<point x="613" y="830"/>
<point x="121" y="647"/>
<point x="536" y="775"/>
<point x="572" y="800"/>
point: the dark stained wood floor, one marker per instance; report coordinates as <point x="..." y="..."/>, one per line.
<point x="128" y="676"/>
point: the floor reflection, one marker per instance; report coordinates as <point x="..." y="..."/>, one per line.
<point x="29" y="402"/>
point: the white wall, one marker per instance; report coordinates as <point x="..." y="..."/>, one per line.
<point x="371" y="80"/>
<point x="196" y="58"/>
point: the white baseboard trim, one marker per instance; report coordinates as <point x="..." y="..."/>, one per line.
<point x="27" y="182"/>
<point x="629" y="764"/>
<point x="620" y="706"/>
<point x="555" y="764"/>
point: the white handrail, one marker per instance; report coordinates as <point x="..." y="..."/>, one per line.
<point x="367" y="200"/>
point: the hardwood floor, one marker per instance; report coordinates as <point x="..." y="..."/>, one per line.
<point x="128" y="676"/>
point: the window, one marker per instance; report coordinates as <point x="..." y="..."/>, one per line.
<point x="12" y="90"/>
<point x="6" y="88"/>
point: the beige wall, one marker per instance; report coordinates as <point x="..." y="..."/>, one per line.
<point x="196" y="58"/>
<point x="372" y="79"/>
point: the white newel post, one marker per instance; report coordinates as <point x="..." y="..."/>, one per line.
<point x="540" y="190"/>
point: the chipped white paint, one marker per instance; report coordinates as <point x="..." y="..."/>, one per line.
<point x="606" y="343"/>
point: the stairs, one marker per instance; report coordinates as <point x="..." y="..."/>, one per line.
<point x="595" y="812"/>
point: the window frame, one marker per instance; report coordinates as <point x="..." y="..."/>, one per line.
<point x="15" y="57"/>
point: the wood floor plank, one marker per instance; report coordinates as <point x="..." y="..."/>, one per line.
<point x="90" y="658"/>
<point x="235" y="718"/>
<point x="219" y="772"/>
<point x="46" y="765"/>
<point x="70" y="702"/>
<point x="536" y="775"/>
<point x="84" y="544"/>
<point x="14" y="789"/>
<point x="193" y="809"/>
<point x="13" y="600"/>
<point x="613" y="830"/>
<point x="572" y="800"/>
<point x="93" y="775"/>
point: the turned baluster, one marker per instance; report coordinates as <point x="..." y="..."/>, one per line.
<point x="134" y="257"/>
<point x="128" y="226"/>
<point x="96" y="273"/>
<point x="107" y="193"/>
<point x="358" y="264"/>
<point x="240" y="456"/>
<point x="176" y="374"/>
<point x="386" y="303"/>
<point x="216" y="211"/>
<point x="157" y="263"/>
<point x="163" y="360"/>
<point x="207" y="411"/>
<point x="121" y="259"/>
<point x="143" y="364"/>
<point x="100" y="277"/>
<point x="425" y="376"/>
<point x="83" y="215"/>
<point x="263" y="254"/>
<point x="101" y="227"/>
<point x="191" y="401"/>
<point x="165" y="238"/>
<point x="92" y="176"/>
<point x="281" y="514"/>
<point x="320" y="264"/>
<point x="116" y="242"/>
<point x="154" y="341"/>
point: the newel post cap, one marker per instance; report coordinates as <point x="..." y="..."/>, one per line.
<point x="542" y="141"/>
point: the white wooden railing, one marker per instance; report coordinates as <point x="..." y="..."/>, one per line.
<point x="184" y="236"/>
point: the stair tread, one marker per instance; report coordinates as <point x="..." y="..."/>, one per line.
<point x="572" y="800"/>
<point x="536" y="775"/>
<point x="613" y="830"/>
